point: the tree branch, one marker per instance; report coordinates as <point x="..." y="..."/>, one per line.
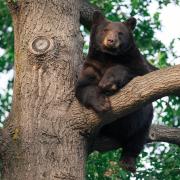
<point x="86" y="13"/>
<point x="157" y="133"/>
<point x="140" y="91"/>
<point x="137" y="93"/>
<point x="164" y="134"/>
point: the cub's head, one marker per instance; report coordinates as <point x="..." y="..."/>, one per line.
<point x="111" y="37"/>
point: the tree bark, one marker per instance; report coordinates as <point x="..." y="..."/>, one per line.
<point x="86" y="13"/>
<point x="138" y="92"/>
<point x="42" y="138"/>
<point x="42" y="135"/>
<point x="164" y="134"/>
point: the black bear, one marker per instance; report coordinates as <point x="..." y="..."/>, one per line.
<point x="112" y="61"/>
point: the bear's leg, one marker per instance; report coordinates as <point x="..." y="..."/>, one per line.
<point x="92" y="97"/>
<point x="88" y="93"/>
<point x="132" y="149"/>
<point x="115" y="78"/>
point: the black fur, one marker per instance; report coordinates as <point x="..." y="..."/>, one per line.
<point x="113" y="60"/>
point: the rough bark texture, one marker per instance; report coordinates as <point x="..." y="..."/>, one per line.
<point x="86" y="13"/>
<point x="165" y="134"/>
<point x="42" y="135"/>
<point x="42" y="138"/>
<point x="140" y="91"/>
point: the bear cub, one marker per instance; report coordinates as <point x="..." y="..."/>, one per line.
<point x="112" y="61"/>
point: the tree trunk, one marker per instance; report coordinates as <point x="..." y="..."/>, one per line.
<point x="42" y="134"/>
<point x="42" y="138"/>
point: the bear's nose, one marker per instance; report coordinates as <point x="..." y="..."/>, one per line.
<point x="110" y="41"/>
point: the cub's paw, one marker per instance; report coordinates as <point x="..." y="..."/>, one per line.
<point x="128" y="164"/>
<point x="102" y="104"/>
<point x="107" y="85"/>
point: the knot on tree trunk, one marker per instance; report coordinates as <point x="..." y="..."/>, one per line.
<point x="40" y="45"/>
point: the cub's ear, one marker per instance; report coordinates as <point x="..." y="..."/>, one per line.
<point x="98" y="18"/>
<point x="131" y="23"/>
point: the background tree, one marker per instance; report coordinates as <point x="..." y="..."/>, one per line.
<point x="34" y="134"/>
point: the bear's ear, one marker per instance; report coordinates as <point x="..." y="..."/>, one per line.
<point x="131" y="23"/>
<point x="98" y="18"/>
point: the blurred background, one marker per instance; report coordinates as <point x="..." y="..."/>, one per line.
<point x="157" y="34"/>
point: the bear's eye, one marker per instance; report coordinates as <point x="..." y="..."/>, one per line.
<point x="105" y="30"/>
<point x="120" y="34"/>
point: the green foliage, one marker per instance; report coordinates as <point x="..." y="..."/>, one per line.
<point x="6" y="60"/>
<point x="159" y="160"/>
<point x="6" y="38"/>
<point x="163" y="163"/>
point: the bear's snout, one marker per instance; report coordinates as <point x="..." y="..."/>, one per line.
<point x="111" y="40"/>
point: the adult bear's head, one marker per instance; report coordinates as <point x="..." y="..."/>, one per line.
<point x="111" y="37"/>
